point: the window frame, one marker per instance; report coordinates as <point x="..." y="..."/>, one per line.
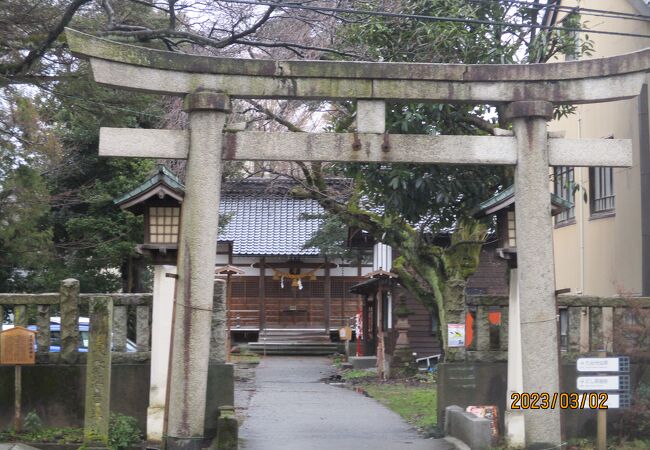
<point x="563" y="185"/>
<point x="601" y="182"/>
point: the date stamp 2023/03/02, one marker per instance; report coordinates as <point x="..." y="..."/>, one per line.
<point x="563" y="400"/>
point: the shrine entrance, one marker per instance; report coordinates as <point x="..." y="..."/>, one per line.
<point x="527" y="92"/>
<point x="289" y="307"/>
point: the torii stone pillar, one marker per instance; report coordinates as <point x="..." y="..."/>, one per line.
<point x="536" y="274"/>
<point x="196" y="260"/>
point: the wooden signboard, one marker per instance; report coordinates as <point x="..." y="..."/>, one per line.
<point x="345" y="333"/>
<point x="17" y="346"/>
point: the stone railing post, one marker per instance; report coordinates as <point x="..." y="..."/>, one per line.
<point x="119" y="328"/>
<point x="20" y="315"/>
<point x="98" y="370"/>
<point x="43" y="324"/>
<point x="482" y="330"/>
<point x="218" y="336"/>
<point x="536" y="278"/>
<point x="69" y="292"/>
<point x="142" y="327"/>
<point x="221" y="381"/>
<point x="196" y="260"/>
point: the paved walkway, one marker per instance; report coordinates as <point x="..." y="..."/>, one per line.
<point x="292" y="410"/>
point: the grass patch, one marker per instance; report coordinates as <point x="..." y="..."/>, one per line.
<point x="50" y="434"/>
<point x="613" y="444"/>
<point x="416" y="404"/>
<point x="245" y="356"/>
<point x="357" y="374"/>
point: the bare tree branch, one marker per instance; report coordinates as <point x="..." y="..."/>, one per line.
<point x="273" y="116"/>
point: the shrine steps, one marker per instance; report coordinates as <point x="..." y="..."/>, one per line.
<point x="294" y="342"/>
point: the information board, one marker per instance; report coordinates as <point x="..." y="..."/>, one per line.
<point x="604" y="383"/>
<point x="614" y="401"/>
<point x="613" y="364"/>
<point x="17" y="346"/>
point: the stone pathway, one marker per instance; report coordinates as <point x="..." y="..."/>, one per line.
<point x="291" y="409"/>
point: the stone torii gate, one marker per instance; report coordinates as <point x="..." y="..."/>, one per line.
<point x="207" y="84"/>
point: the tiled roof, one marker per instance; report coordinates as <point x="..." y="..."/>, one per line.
<point x="267" y="222"/>
<point x="264" y="218"/>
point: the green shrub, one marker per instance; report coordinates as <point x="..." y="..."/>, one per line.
<point x="32" y="423"/>
<point x="123" y="431"/>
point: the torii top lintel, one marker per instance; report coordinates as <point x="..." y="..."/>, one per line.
<point x="587" y="81"/>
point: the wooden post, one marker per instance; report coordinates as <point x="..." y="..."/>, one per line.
<point x="380" y="332"/>
<point x="328" y="297"/>
<point x="69" y="292"/>
<point x="601" y="421"/>
<point x="98" y="371"/>
<point x="261" y="293"/>
<point x="228" y="306"/>
<point x="18" y="423"/>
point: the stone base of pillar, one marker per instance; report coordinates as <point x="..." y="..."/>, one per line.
<point x="515" y="430"/>
<point x="155" y="426"/>
<point x="403" y="363"/>
<point x="228" y="430"/>
<point x="220" y="393"/>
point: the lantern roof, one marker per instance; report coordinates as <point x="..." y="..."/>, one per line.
<point x="162" y="184"/>
<point x="506" y="198"/>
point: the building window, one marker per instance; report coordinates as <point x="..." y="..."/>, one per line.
<point x="564" y="182"/>
<point x="564" y="329"/>
<point x="163" y="225"/>
<point x="602" y="189"/>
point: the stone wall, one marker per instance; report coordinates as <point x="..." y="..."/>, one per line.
<point x="57" y="393"/>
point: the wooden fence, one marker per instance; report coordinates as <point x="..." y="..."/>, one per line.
<point x="65" y="304"/>
<point x="586" y="324"/>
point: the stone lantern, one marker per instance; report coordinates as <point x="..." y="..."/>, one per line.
<point x="502" y="206"/>
<point x="403" y="362"/>
<point x="159" y="200"/>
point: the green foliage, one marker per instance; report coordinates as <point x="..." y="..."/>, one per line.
<point x="54" y="435"/>
<point x="25" y="230"/>
<point x="123" y="432"/>
<point x="331" y="238"/>
<point x="32" y="423"/>
<point x="407" y="40"/>
<point x="59" y="219"/>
